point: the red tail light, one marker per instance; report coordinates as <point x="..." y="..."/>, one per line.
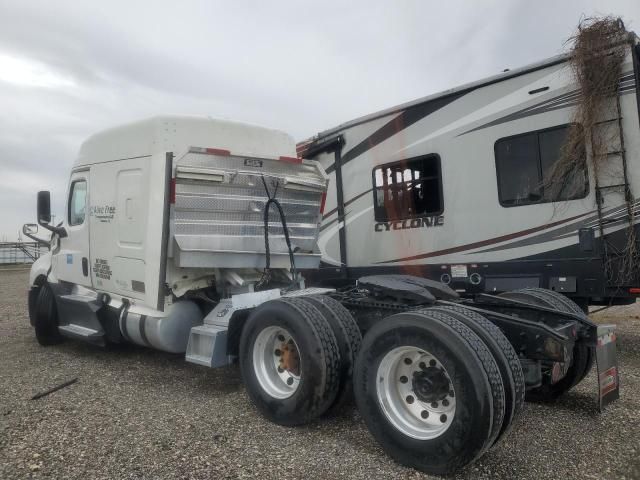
<point x="635" y="290"/>
<point x="290" y="159"/>
<point x="172" y="191"/>
<point x="217" y="151"/>
<point x="322" y="202"/>
<point x="210" y="151"/>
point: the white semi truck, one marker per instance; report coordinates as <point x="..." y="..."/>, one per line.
<point x="190" y="234"/>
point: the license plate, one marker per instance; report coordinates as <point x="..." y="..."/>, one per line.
<point x="459" y="271"/>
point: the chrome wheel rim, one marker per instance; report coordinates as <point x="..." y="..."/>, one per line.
<point x="416" y="392"/>
<point x="276" y="362"/>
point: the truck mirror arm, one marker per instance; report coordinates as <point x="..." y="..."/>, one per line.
<point x="60" y="231"/>
<point x="36" y="239"/>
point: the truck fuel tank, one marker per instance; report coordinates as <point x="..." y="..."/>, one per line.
<point x="169" y="333"/>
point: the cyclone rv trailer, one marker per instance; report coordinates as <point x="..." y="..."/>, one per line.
<point x="411" y="277"/>
<point x="451" y="187"/>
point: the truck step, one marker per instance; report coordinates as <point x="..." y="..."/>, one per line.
<point x="81" y="300"/>
<point x="208" y="346"/>
<point x="83" y="333"/>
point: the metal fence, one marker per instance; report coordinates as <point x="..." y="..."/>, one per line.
<point x="20" y="252"/>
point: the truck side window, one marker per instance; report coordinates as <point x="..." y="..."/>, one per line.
<point x="525" y="164"/>
<point x="408" y="189"/>
<point x="77" y="202"/>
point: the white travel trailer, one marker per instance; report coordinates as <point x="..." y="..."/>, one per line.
<point x="452" y="187"/>
<point x="190" y="235"/>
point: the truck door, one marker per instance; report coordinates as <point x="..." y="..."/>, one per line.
<point x="72" y="260"/>
<point x="119" y="219"/>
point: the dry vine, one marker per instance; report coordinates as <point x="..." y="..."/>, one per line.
<point x="597" y="53"/>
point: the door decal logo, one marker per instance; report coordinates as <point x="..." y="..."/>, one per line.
<point x="104" y="213"/>
<point x="69" y="259"/>
<point x="101" y="269"/>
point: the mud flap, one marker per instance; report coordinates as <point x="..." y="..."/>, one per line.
<point x="608" y="381"/>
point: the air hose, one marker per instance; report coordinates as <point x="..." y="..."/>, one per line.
<point x="272" y="200"/>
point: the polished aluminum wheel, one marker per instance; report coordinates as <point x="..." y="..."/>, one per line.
<point x="415" y="392"/>
<point x="276" y="361"/>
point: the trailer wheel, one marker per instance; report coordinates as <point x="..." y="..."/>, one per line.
<point x="506" y="359"/>
<point x="289" y="361"/>
<point x="583" y="355"/>
<point x="570" y="306"/>
<point x="560" y="301"/>
<point x="424" y="386"/>
<point x="45" y="319"/>
<point x="349" y="339"/>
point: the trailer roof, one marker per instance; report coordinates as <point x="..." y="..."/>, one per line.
<point x="507" y="74"/>
<point x="177" y="133"/>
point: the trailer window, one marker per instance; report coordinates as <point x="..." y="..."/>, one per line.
<point x="408" y="189"/>
<point x="77" y="202"/>
<point x="525" y="164"/>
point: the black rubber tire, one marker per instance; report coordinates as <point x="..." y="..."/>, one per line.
<point x="45" y="318"/>
<point x="349" y="339"/>
<point x="557" y="299"/>
<point x="471" y="368"/>
<point x="583" y="355"/>
<point x="589" y="353"/>
<point x="506" y="359"/>
<point x="319" y="359"/>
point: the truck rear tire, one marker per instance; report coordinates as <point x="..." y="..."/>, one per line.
<point x="583" y="355"/>
<point x="349" y="340"/>
<point x="560" y="301"/>
<point x="290" y="361"/>
<point x="506" y="359"/>
<point x="571" y="307"/>
<point x="424" y="385"/>
<point x="45" y="319"/>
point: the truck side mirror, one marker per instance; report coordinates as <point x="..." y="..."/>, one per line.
<point x="30" y="228"/>
<point x="44" y="214"/>
<point x="44" y="207"/>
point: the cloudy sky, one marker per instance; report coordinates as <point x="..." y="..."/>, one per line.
<point x="71" y="68"/>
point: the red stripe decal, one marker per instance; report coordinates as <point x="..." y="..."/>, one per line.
<point x="290" y="159"/>
<point x="218" y="151"/>
<point x="172" y="191"/>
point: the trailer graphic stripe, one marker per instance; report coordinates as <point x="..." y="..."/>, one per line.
<point x="627" y="84"/>
<point x="328" y="224"/>
<point x="484" y="243"/>
<point x="405" y="119"/>
<point x="346" y="204"/>
<point x="566" y="231"/>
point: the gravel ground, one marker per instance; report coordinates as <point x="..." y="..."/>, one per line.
<point x="137" y="413"/>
